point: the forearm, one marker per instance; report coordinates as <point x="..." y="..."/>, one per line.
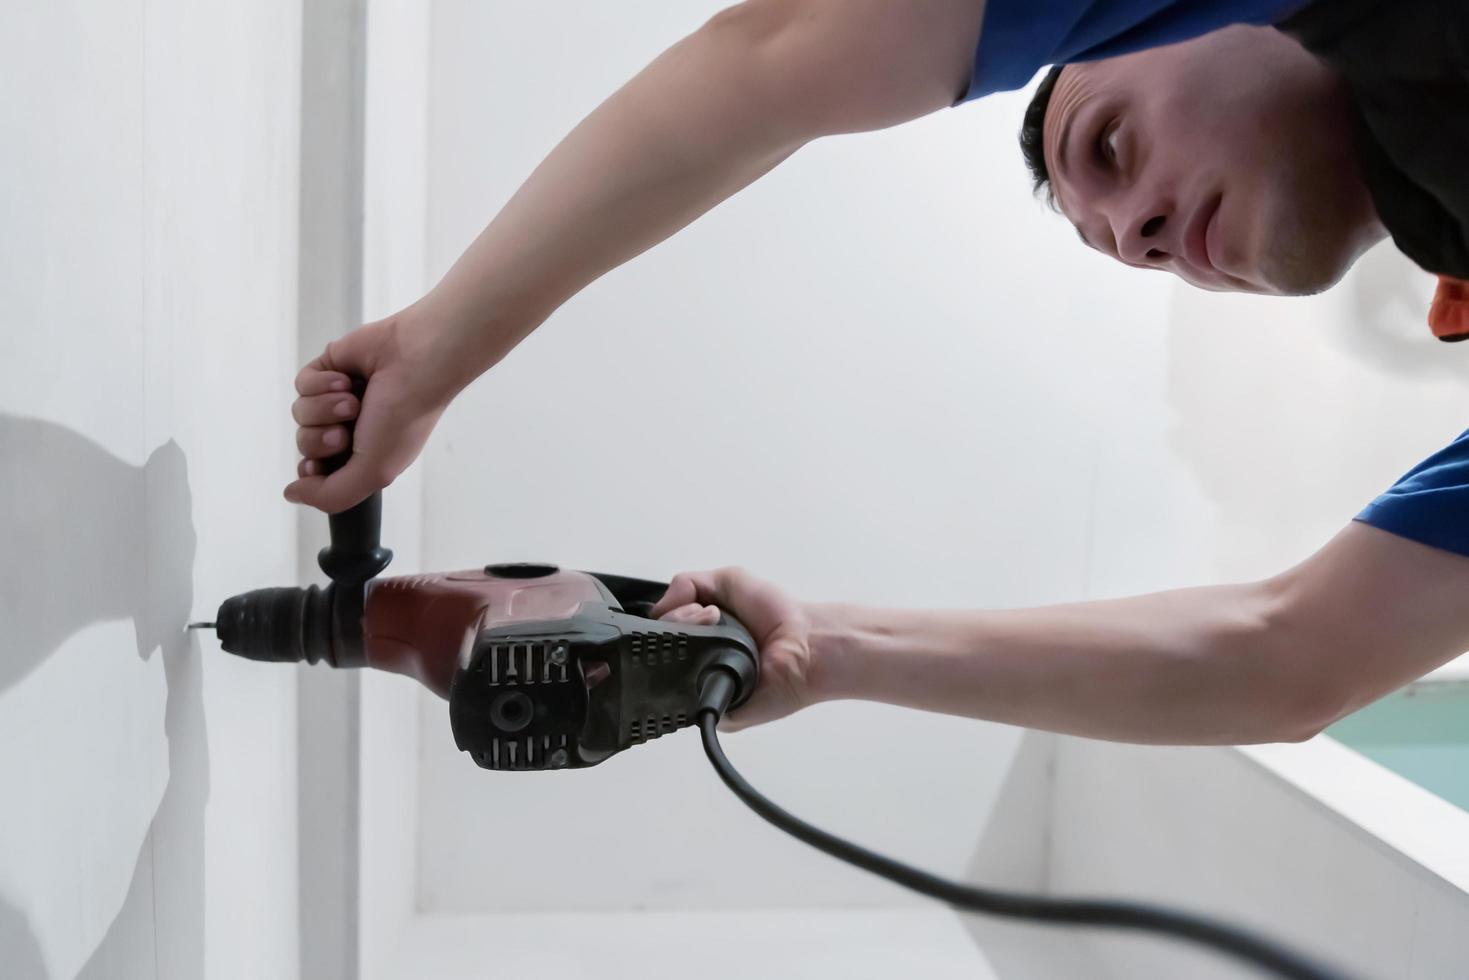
<point x="704" y="120"/>
<point x="1196" y="666"/>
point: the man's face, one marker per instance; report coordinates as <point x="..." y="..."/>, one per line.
<point x="1227" y="160"/>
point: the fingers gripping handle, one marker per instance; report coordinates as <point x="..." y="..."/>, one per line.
<point x="736" y="668"/>
<point x="729" y="679"/>
<point x="356" y="553"/>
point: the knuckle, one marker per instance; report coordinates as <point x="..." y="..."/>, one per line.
<point x="735" y="576"/>
<point x="378" y="474"/>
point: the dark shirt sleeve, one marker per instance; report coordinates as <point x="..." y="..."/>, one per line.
<point x="1430" y="504"/>
<point x="1020" y="37"/>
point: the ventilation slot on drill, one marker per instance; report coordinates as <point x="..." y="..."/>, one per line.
<point x="526" y="663"/>
<point x="519" y="754"/>
<point x="654" y="726"/>
<point x="656" y="649"/>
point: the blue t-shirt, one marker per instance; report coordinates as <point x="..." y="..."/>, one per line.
<point x="1023" y="36"/>
<point x="1430" y="504"/>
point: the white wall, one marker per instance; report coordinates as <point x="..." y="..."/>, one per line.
<point x="147" y="283"/>
<point x="394" y="188"/>
<point x="1287" y="840"/>
<point x="1289" y="415"/>
<point x="859" y="378"/>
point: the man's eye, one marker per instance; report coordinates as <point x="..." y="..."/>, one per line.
<point x="1106" y="148"/>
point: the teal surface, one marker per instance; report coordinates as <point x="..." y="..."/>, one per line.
<point x="1421" y="733"/>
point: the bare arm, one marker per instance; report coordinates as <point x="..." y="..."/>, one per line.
<point x="1277" y="660"/>
<point x="705" y="119"/>
<point x="1271" y="661"/>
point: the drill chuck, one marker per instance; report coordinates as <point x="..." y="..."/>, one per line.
<point x="279" y="625"/>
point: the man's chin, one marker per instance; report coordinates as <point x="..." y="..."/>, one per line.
<point x="1309" y="265"/>
<point x="1232" y="284"/>
<point x="1301" y="283"/>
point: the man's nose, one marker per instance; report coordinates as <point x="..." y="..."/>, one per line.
<point x="1145" y="236"/>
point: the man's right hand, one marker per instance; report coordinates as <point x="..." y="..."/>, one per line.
<point x="781" y="627"/>
<point x="408" y="386"/>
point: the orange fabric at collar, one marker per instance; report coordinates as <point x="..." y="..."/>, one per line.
<point x="1449" y="314"/>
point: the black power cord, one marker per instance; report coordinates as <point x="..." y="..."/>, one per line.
<point x="1238" y="943"/>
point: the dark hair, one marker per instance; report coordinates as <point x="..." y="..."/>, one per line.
<point x="1032" y="131"/>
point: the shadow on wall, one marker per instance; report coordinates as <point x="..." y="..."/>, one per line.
<point x="1388" y="328"/>
<point x="18" y="949"/>
<point x="1293" y="414"/>
<point x="87" y="537"/>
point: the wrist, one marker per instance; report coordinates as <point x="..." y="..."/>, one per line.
<point x="832" y="642"/>
<point x="453" y="349"/>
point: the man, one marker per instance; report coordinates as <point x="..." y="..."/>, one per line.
<point x="1379" y="605"/>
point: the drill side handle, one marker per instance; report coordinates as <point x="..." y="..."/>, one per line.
<point x="355" y="553"/>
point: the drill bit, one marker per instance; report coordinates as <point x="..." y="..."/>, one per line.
<point x="202" y="626"/>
